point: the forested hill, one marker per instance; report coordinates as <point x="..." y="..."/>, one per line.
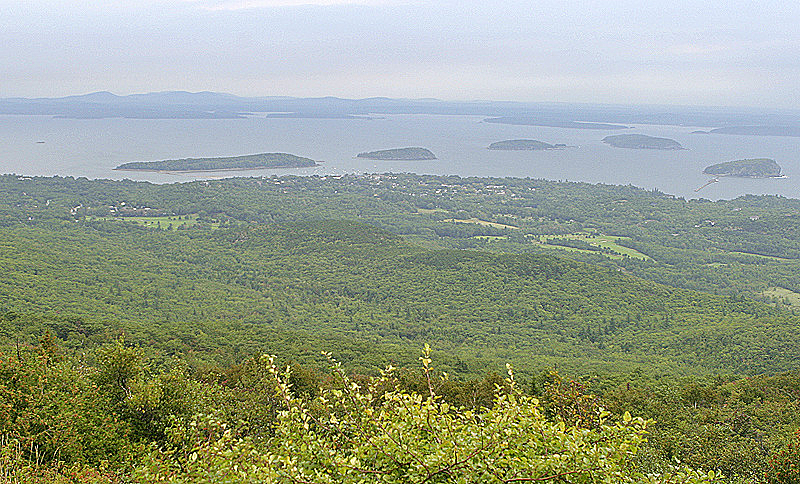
<point x="135" y="319"/>
<point x="748" y="246"/>
<point x="230" y="291"/>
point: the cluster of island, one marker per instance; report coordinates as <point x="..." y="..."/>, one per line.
<point x="632" y="141"/>
<point x="747" y="168"/>
<point x="264" y="160"/>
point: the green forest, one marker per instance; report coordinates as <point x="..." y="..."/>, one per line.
<point x="435" y="329"/>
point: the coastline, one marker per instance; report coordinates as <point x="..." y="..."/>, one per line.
<point x="394" y="159"/>
<point x="747" y="176"/>
<point x="182" y="172"/>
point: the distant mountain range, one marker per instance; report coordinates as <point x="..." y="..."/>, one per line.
<point x="205" y="105"/>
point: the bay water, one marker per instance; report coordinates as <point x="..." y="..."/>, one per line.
<point x="44" y="145"/>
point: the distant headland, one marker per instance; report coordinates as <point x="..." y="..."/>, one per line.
<point x="642" y="142"/>
<point x="230" y="163"/>
<point x="551" y="123"/>
<point x="525" y="145"/>
<point x="750" y="168"/>
<point x="755" y="130"/>
<point x="399" y="154"/>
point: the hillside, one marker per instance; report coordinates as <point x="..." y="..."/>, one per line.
<point x="346" y="281"/>
<point x="733" y="247"/>
<point x="229" y="163"/>
<point x="136" y="320"/>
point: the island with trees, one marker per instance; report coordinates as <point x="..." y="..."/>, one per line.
<point x="642" y="142"/>
<point x="525" y="145"/>
<point x="399" y="154"/>
<point x="750" y="168"/>
<point x="229" y="163"/>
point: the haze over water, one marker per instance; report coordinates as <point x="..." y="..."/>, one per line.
<point x="93" y="147"/>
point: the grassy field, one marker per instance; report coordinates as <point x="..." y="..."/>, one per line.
<point x="609" y="242"/>
<point x="481" y="222"/>
<point x="762" y="256"/>
<point x="785" y="296"/>
<point x="161" y="222"/>
<point x="585" y="251"/>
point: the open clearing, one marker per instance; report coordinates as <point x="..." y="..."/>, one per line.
<point x="481" y="222"/>
<point x="770" y="257"/>
<point x="162" y="222"/>
<point x="610" y="242"/>
<point x="784" y="296"/>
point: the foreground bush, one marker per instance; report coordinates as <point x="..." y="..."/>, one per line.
<point x="784" y="466"/>
<point x="369" y="433"/>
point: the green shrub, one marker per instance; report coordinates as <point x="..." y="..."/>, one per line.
<point x="354" y="433"/>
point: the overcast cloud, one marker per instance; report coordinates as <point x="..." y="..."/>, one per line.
<point x="678" y="52"/>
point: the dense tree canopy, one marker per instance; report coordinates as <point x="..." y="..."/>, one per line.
<point x="133" y="317"/>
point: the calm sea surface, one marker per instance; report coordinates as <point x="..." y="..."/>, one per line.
<point x="92" y="148"/>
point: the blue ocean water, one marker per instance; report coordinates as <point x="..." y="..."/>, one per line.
<point x="93" y="147"/>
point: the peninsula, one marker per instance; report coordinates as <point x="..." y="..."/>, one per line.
<point x="525" y="145"/>
<point x="751" y="168"/>
<point x="230" y="163"/>
<point x="399" y="154"/>
<point x="551" y="123"/>
<point x="642" y="142"/>
<point x="756" y="130"/>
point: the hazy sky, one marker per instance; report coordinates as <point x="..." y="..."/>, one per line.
<point x="662" y="52"/>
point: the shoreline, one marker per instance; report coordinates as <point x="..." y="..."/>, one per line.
<point x="393" y="159"/>
<point x="181" y="172"/>
<point x="747" y="176"/>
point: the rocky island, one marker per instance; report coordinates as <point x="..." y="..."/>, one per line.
<point x="525" y="145"/>
<point x="399" y="154"/>
<point x="642" y="142"/>
<point x="751" y="168"/>
<point x="230" y="163"/>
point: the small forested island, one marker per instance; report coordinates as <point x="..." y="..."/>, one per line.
<point x="751" y="168"/>
<point x="525" y="145"/>
<point x="229" y="163"/>
<point x="642" y="142"/>
<point x="400" y="154"/>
